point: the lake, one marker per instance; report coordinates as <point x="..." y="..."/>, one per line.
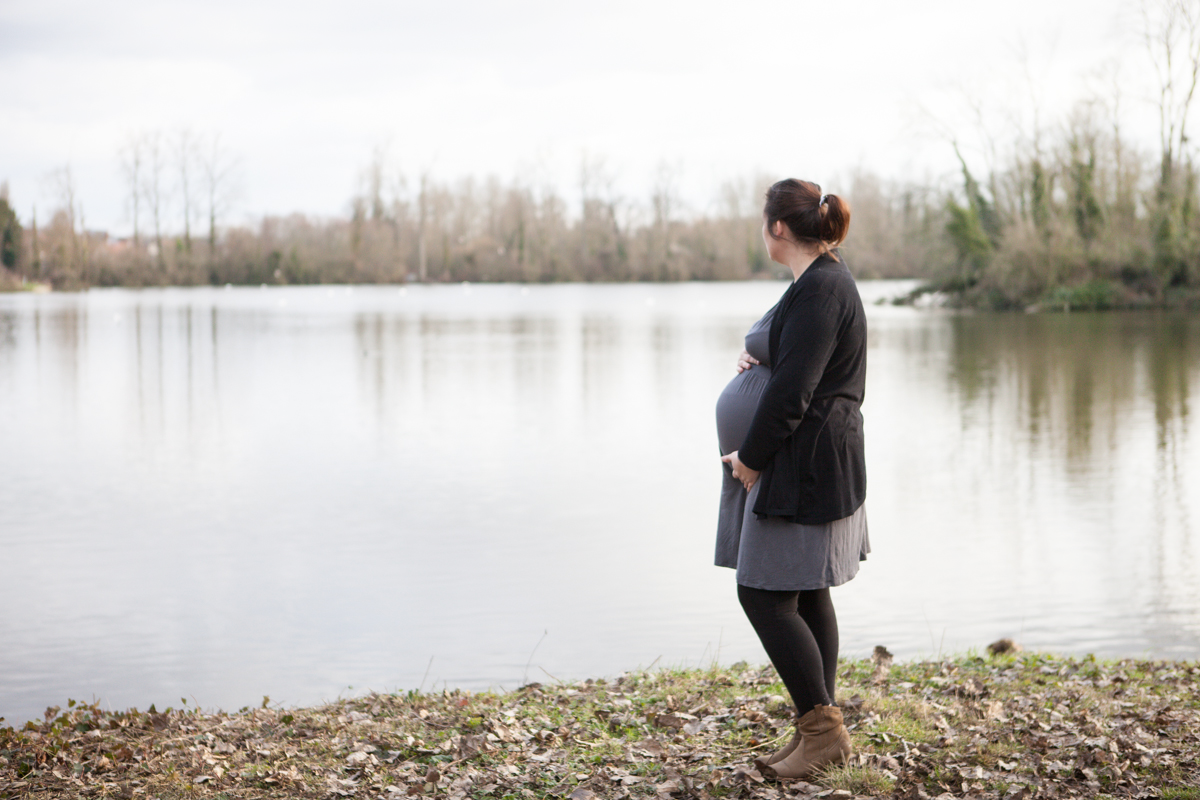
<point x="220" y="494"/>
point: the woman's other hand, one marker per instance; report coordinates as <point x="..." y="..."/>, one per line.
<point x="745" y="362"/>
<point x="747" y="476"/>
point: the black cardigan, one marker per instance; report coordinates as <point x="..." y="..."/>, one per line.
<point x="807" y="434"/>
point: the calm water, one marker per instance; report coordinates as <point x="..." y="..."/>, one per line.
<point x="301" y="492"/>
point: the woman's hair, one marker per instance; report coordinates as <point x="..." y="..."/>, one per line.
<point x="812" y="218"/>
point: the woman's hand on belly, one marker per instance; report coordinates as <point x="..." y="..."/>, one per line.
<point x="747" y="476"/>
<point x="746" y="361"/>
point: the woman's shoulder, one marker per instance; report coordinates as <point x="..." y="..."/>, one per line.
<point x="828" y="276"/>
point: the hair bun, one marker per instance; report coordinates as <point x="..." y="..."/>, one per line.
<point x="812" y="216"/>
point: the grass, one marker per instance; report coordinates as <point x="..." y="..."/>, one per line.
<point x="1181" y="793"/>
<point x="1016" y="726"/>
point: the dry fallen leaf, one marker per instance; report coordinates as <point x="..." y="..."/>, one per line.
<point x="652" y="747"/>
<point x="667" y="787"/>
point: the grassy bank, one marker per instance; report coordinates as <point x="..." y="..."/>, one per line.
<point x="1015" y="726"/>
<point x="1093" y="295"/>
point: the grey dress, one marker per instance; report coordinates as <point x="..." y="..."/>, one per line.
<point x="771" y="553"/>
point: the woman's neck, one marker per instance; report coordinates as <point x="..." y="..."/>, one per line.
<point x="800" y="261"/>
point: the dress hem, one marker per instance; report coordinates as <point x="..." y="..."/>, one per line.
<point x="822" y="585"/>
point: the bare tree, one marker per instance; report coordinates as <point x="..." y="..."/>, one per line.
<point x="133" y="163"/>
<point x="602" y="245"/>
<point x="1171" y="31"/>
<point x="374" y="179"/>
<point x="383" y="189"/>
<point x="1125" y="164"/>
<point x="62" y="182"/>
<point x="592" y="176"/>
<point x="35" y="246"/>
<point x="423" y="213"/>
<point x="736" y="204"/>
<point x="615" y="206"/>
<point x="184" y="151"/>
<point x="153" y="189"/>
<point x="69" y="248"/>
<point x="665" y="201"/>
<point x="218" y="170"/>
<point x="397" y="188"/>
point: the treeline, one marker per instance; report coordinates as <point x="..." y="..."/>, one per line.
<point x="421" y="229"/>
<point x="1075" y="215"/>
<point x="1077" y="218"/>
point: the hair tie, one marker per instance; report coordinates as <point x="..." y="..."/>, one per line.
<point x="824" y="197"/>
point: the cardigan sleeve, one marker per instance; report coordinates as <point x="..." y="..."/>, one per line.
<point x="807" y="339"/>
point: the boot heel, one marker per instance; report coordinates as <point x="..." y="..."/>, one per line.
<point x="779" y="755"/>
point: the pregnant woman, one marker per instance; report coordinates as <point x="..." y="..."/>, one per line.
<point x="792" y="521"/>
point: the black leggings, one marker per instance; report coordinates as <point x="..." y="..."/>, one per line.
<point x="799" y="632"/>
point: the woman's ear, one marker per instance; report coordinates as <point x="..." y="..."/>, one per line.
<point x="777" y="229"/>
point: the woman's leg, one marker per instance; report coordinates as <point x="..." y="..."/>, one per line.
<point x="789" y="643"/>
<point x="816" y="609"/>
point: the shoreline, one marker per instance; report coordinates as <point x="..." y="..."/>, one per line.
<point x="1023" y="725"/>
<point x="1098" y="295"/>
<point x="927" y="295"/>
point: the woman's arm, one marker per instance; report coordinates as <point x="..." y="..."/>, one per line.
<point x="807" y="339"/>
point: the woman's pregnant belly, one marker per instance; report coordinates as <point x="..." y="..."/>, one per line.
<point x="737" y="404"/>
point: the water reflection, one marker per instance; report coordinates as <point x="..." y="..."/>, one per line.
<point x="1059" y="492"/>
<point x="231" y="493"/>
<point x="1078" y="373"/>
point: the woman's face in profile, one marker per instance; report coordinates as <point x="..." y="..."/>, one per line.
<point x="775" y="247"/>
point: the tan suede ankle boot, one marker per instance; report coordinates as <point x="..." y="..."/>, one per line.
<point x="780" y="755"/>
<point x="824" y="741"/>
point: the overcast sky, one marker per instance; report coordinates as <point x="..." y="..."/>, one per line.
<point x="303" y="93"/>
